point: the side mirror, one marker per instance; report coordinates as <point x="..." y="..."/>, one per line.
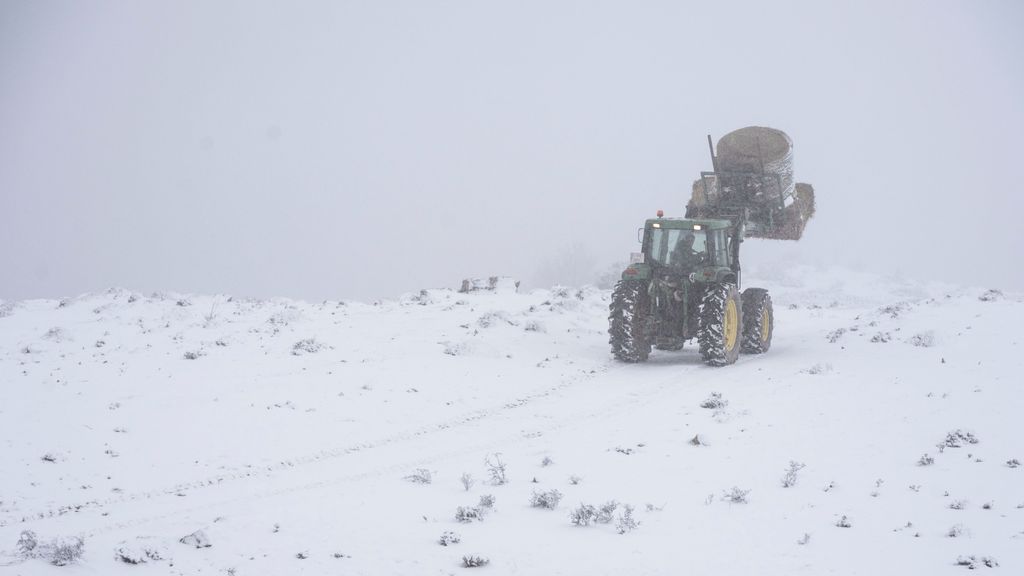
<point x="640" y="235"/>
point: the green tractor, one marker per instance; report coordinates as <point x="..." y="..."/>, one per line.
<point x="685" y="281"/>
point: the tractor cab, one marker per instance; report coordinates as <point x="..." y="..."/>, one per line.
<point x="700" y="250"/>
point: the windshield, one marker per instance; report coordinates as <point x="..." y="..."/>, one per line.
<point x="678" y="248"/>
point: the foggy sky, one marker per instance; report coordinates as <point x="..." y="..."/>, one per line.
<point x="363" y="149"/>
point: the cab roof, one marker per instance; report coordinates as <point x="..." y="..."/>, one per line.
<point x="687" y="224"/>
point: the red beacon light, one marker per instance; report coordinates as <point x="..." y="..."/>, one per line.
<point x="661" y="213"/>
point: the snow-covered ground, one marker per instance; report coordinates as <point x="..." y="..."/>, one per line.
<point x="291" y="435"/>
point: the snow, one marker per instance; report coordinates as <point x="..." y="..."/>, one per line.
<point x="325" y="438"/>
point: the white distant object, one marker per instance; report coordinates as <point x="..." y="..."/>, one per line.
<point x="496" y="284"/>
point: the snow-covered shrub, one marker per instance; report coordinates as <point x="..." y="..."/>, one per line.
<point x="991" y="295"/>
<point x="56" y="334"/>
<point x="819" y="369"/>
<point x="64" y="551"/>
<point x="547" y="461"/>
<point x="474" y="561"/>
<point x="467" y="481"/>
<point x="835" y="335"/>
<point x="972" y="562"/>
<point x="486" y="502"/>
<point x="448" y="538"/>
<point x="881" y="337"/>
<point x="198" y="539"/>
<point x="420" y="476"/>
<point x="27" y="543"/>
<point x="534" y="326"/>
<point x="494" y="318"/>
<point x="60" y="551"/>
<point x="6" y="309"/>
<point x="714" y="401"/>
<point x="957" y="438"/>
<point x="955" y="531"/>
<point x="467" y="514"/>
<point x="194" y="354"/>
<point x="575" y="480"/>
<point x="735" y="495"/>
<point x="1013" y="463"/>
<point x="789" y="479"/>
<point x="137" y="553"/>
<point x="923" y="339"/>
<point x="804" y="540"/>
<point x="307" y="346"/>
<point x="548" y="500"/>
<point x="926" y="460"/>
<point x="958" y="505"/>
<point x="496" y="469"/>
<point x="844" y="522"/>
<point x="606" y="512"/>
<point x="626" y="522"/>
<point x="582" y="515"/>
<point x="455" y="348"/>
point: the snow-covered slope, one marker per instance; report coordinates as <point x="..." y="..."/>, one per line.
<point x="291" y="434"/>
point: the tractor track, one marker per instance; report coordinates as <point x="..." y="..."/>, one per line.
<point x="626" y="401"/>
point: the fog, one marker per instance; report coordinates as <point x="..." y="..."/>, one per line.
<point x="363" y="149"/>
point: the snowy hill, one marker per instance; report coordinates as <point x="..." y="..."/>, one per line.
<point x="333" y="438"/>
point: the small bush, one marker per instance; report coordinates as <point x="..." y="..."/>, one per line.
<point x="548" y="500"/>
<point x="789" y="479"/>
<point x="468" y="514"/>
<point x="547" y="461"/>
<point x="496" y="469"/>
<point x="835" y="335"/>
<point x="735" y="496"/>
<point x="818" y="369"/>
<point x="955" y="531"/>
<point x="606" y="512"/>
<point x="64" y="551"/>
<point x="626" y="522"/>
<point x="1013" y="463"/>
<point x="583" y="515"/>
<point x="137" y="554"/>
<point x="420" y="476"/>
<point x="926" y="460"/>
<point x="958" y="505"/>
<point x="972" y="562"/>
<point x="486" y="502"/>
<point x="714" y="402"/>
<point x="194" y="354"/>
<point x="957" y="438"/>
<point x="844" y="522"/>
<point x="467" y="481"/>
<point x="307" y="346"/>
<point x="449" y="538"/>
<point x="923" y="340"/>
<point x="59" y="551"/>
<point x="473" y="561"/>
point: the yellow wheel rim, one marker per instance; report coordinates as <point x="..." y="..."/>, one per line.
<point x="731" y="324"/>
<point x="765" y="320"/>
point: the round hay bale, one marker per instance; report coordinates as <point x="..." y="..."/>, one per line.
<point x="754" y="148"/>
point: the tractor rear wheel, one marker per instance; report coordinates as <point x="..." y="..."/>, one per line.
<point x="720" y="324"/>
<point x="758" y="321"/>
<point x="627" y="322"/>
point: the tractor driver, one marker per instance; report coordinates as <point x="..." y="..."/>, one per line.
<point x="684" y="255"/>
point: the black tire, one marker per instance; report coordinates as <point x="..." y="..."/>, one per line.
<point x="627" y="323"/>
<point x="720" y="324"/>
<point x="758" y="321"/>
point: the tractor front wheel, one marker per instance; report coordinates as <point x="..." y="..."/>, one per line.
<point x="720" y="324"/>
<point x="627" y="322"/>
<point x="758" y="321"/>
